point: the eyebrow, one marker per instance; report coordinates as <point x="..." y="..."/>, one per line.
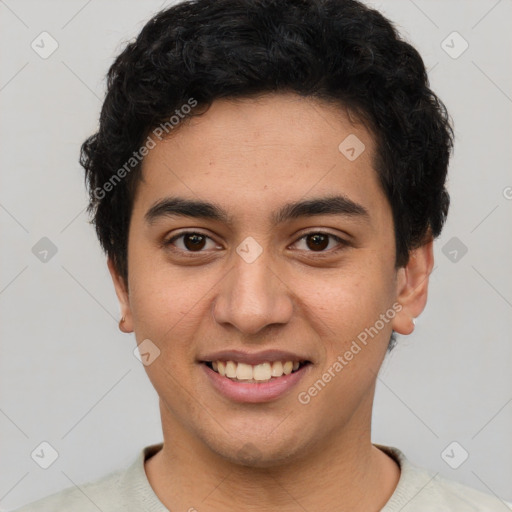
<point x="331" y="205"/>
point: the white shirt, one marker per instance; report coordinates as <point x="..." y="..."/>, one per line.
<point x="128" y="490"/>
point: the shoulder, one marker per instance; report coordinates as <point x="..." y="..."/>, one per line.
<point x="422" y="490"/>
<point x="456" y="496"/>
<point x="124" y="489"/>
<point x="92" y="496"/>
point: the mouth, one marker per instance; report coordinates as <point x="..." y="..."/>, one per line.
<point x="254" y="378"/>
<point x="257" y="373"/>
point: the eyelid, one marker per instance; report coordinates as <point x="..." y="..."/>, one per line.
<point x="342" y="243"/>
<point x="169" y="241"/>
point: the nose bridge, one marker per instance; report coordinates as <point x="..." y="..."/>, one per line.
<point x="252" y="296"/>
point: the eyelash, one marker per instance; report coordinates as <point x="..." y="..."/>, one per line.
<point x="340" y="241"/>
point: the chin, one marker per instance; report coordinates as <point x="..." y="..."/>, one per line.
<point x="260" y="456"/>
<point x="258" y="452"/>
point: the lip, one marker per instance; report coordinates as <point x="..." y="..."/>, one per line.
<point x="247" y="392"/>
<point x="253" y="358"/>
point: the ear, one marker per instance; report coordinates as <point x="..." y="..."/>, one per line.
<point x="123" y="298"/>
<point x="412" y="287"/>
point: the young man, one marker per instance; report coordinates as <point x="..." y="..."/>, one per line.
<point x="267" y="181"/>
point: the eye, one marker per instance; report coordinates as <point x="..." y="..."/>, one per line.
<point x="191" y="241"/>
<point x="319" y="241"/>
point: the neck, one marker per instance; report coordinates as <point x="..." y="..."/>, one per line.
<point x="342" y="472"/>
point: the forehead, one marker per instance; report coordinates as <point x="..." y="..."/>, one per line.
<point x="271" y="121"/>
<point x="247" y="153"/>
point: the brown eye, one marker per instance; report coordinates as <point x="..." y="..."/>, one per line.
<point x="317" y="241"/>
<point x="320" y="242"/>
<point x="194" y="241"/>
<point x="190" y="241"/>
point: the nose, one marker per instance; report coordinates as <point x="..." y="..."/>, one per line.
<point x="252" y="296"/>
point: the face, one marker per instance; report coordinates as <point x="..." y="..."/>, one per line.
<point x="286" y="266"/>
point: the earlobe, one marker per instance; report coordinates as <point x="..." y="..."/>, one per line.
<point x="412" y="287"/>
<point x="126" y="322"/>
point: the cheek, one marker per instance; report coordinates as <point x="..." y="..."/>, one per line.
<point x="168" y="306"/>
<point x="347" y="301"/>
<point x="163" y="309"/>
<point x="157" y="298"/>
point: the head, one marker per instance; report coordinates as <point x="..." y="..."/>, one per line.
<point x="300" y="147"/>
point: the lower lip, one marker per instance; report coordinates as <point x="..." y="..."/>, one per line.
<point x="254" y="392"/>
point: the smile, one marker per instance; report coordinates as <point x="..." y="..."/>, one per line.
<point x="254" y="378"/>
<point x="263" y="372"/>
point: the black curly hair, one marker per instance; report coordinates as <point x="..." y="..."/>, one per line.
<point x="334" y="50"/>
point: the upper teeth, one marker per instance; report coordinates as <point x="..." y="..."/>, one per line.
<point x="263" y="371"/>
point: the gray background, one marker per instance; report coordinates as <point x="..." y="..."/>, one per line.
<point x="69" y="377"/>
